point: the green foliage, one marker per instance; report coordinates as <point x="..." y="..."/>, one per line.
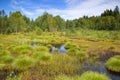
<point x="113" y="64"/>
<point x="93" y="76"/>
<point x="16" y="22"/>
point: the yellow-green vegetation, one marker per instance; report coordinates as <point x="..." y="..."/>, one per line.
<point x="17" y="53"/>
<point x="93" y="76"/>
<point x="65" y="77"/>
<point x="42" y="56"/>
<point x="89" y="75"/>
<point x="23" y="49"/>
<point x="70" y="45"/>
<point x="48" y="70"/>
<point x="94" y="55"/>
<point x="81" y="55"/>
<point x="113" y="64"/>
<point x="22" y="63"/>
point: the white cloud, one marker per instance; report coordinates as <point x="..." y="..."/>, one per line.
<point x="75" y="8"/>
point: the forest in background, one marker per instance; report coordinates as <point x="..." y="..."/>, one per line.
<point x="17" y="22"/>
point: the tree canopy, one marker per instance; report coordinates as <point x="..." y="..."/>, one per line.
<point x="17" y="22"/>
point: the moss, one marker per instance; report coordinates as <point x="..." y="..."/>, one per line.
<point x="113" y="64"/>
<point x="89" y="75"/>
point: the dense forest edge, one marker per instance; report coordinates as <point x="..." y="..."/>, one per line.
<point x="16" y="22"/>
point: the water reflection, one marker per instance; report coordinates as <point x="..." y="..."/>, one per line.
<point x="60" y="49"/>
<point x="34" y="44"/>
<point x="99" y="67"/>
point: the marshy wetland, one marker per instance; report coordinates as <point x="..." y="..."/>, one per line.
<point x="58" y="56"/>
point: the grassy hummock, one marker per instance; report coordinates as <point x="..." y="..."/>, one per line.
<point x="113" y="64"/>
<point x="89" y="75"/>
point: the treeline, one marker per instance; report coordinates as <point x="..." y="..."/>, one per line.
<point x="16" y="22"/>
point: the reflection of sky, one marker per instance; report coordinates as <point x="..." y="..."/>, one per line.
<point x="53" y="49"/>
<point x="60" y="50"/>
<point x="34" y="44"/>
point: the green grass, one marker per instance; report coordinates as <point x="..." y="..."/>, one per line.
<point x="93" y="76"/>
<point x="89" y="75"/>
<point x="80" y="55"/>
<point x="17" y="52"/>
<point x="23" y="63"/>
<point x="42" y="56"/>
<point x="8" y="59"/>
<point x="23" y="49"/>
<point x="113" y="64"/>
<point x="65" y="77"/>
<point x="4" y="53"/>
<point x="70" y="45"/>
<point x="94" y="34"/>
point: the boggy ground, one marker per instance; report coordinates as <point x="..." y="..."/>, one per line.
<point x="35" y="62"/>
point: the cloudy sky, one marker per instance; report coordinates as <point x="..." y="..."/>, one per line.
<point x="67" y="9"/>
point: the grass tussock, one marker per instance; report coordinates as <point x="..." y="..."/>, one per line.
<point x="89" y="75"/>
<point x="93" y="76"/>
<point x="23" y="63"/>
<point x="113" y="64"/>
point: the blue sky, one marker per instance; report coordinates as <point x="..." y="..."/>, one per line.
<point x="67" y="9"/>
